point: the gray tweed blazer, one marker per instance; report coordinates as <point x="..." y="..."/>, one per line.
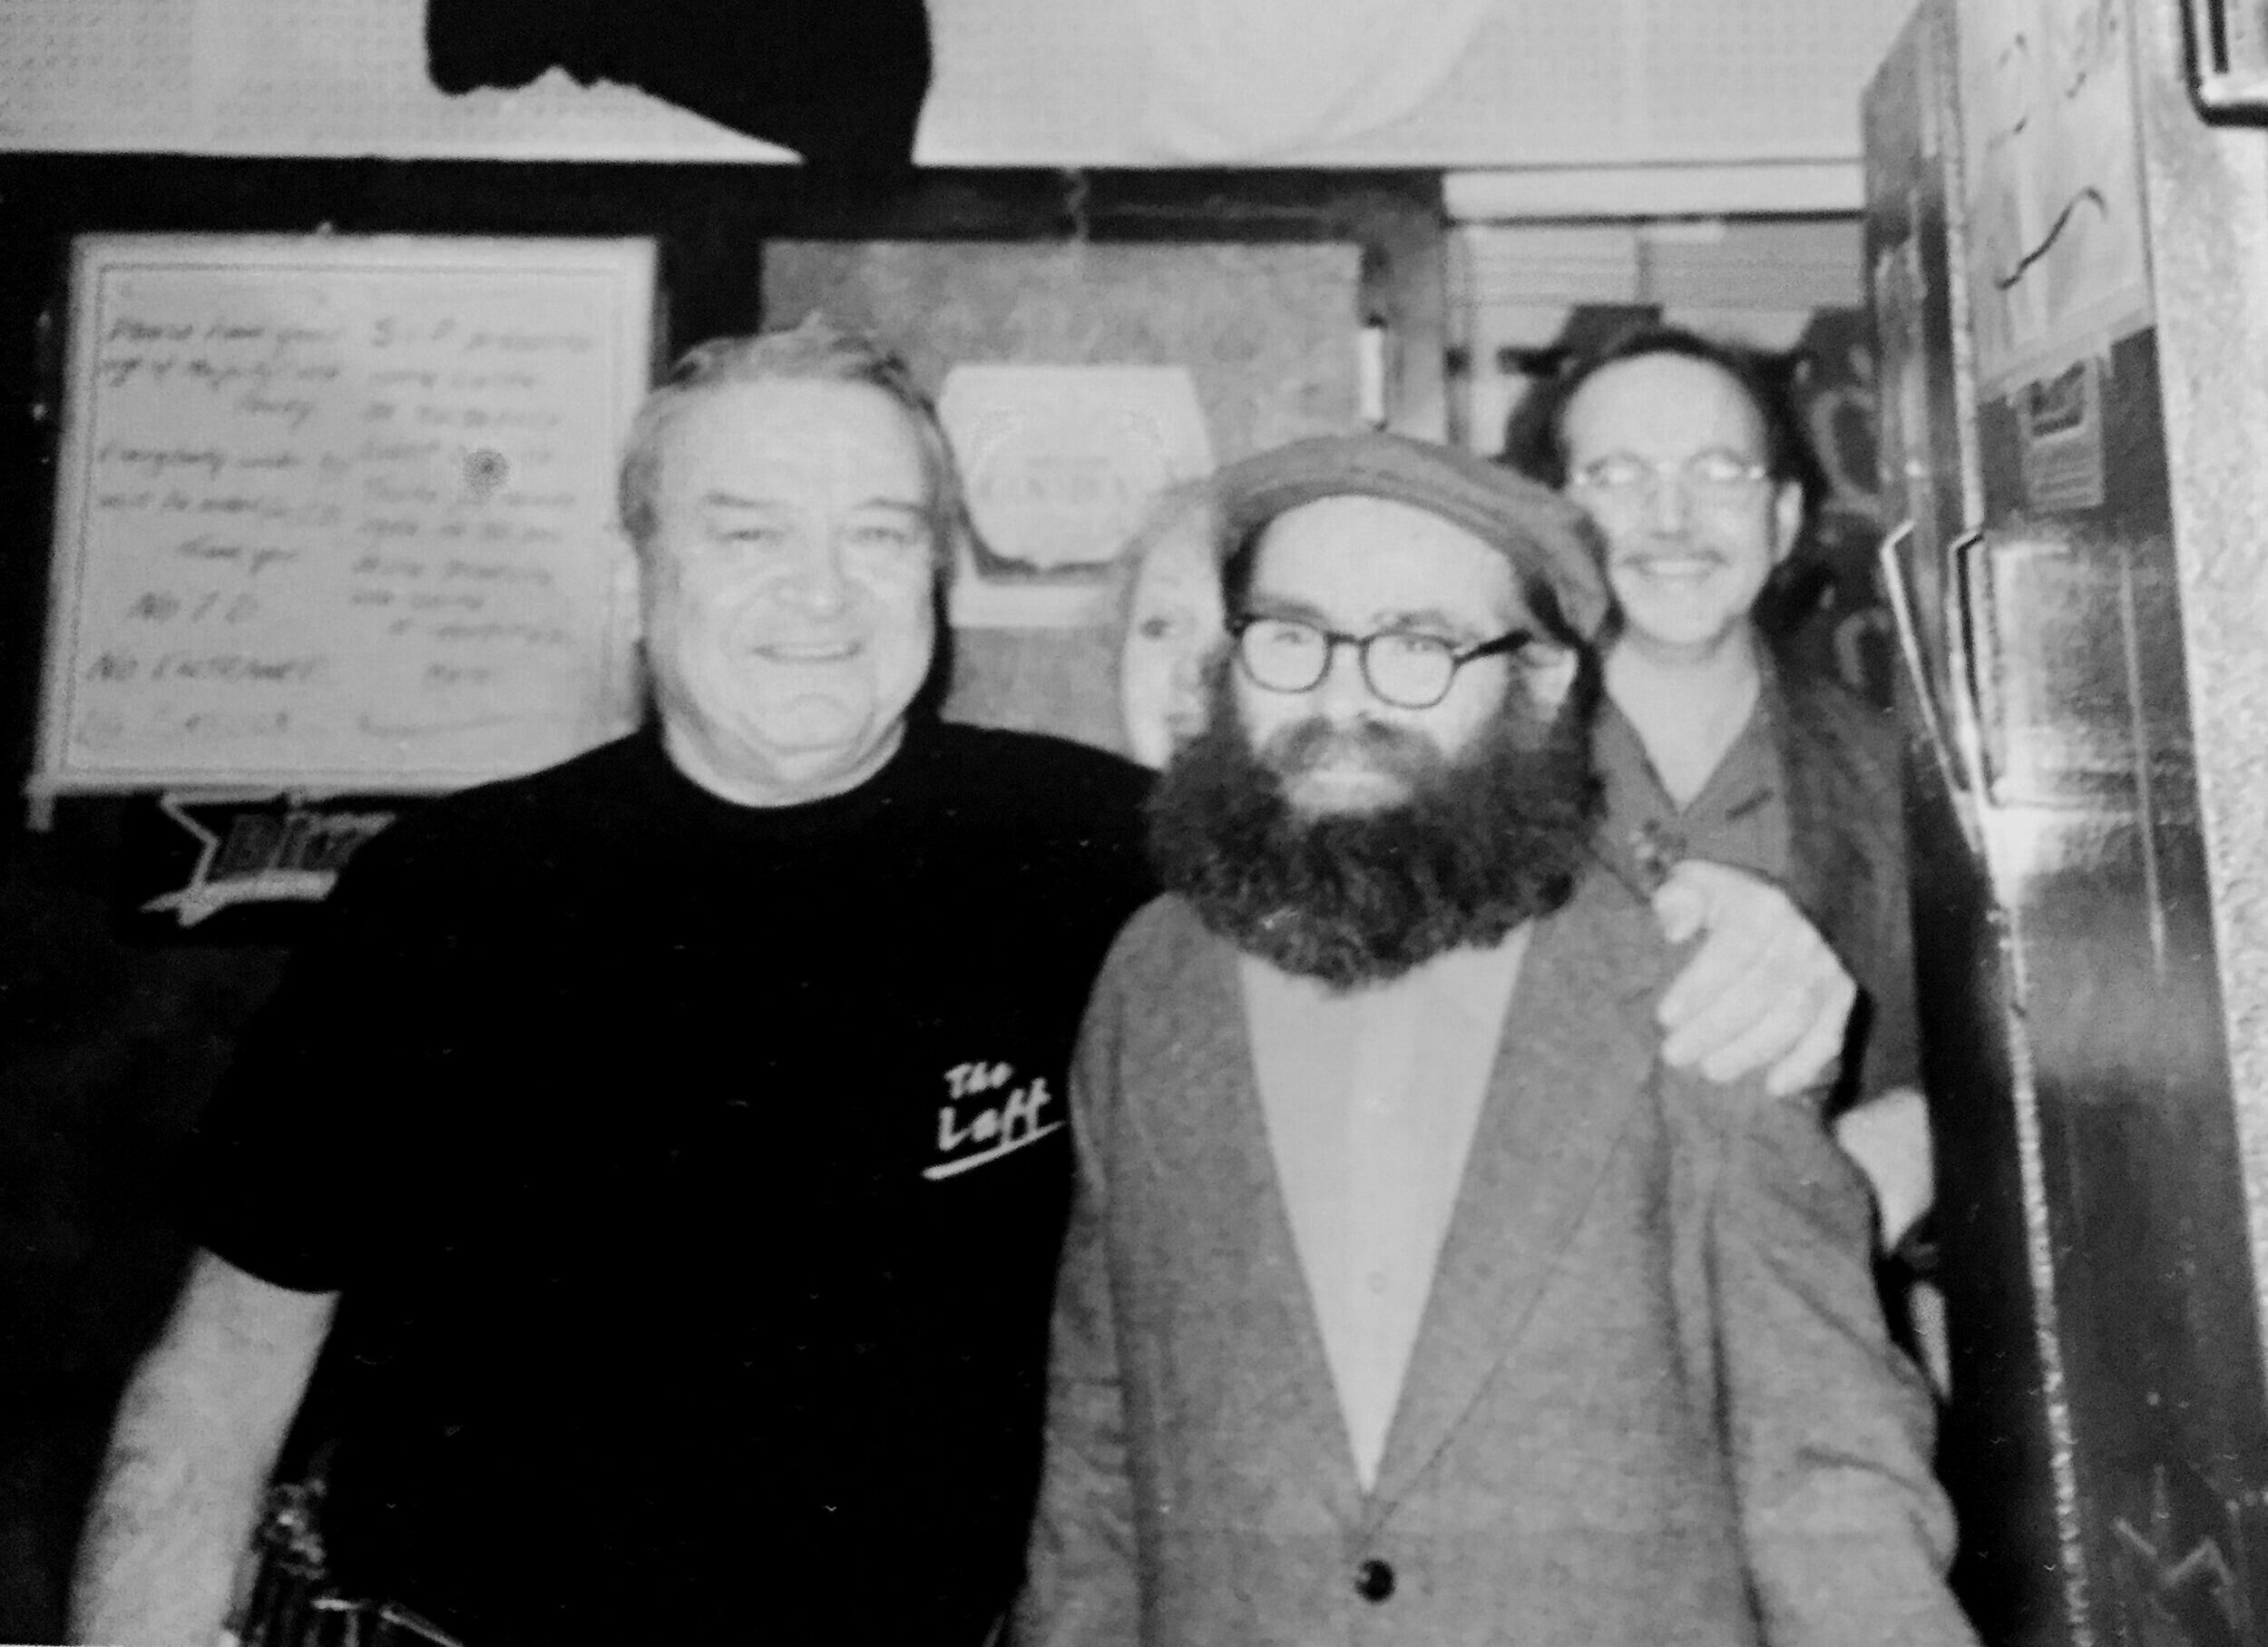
<point x="1651" y="1402"/>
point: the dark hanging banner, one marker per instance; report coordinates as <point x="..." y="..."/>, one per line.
<point x="840" y="82"/>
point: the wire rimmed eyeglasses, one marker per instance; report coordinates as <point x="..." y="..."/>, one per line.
<point x="1405" y="668"/>
<point x="1716" y="475"/>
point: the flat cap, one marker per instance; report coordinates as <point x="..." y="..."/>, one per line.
<point x="1540" y="533"/>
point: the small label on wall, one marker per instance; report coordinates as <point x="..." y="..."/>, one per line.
<point x="2060" y="420"/>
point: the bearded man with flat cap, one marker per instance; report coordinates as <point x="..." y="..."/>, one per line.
<point x="1408" y="1293"/>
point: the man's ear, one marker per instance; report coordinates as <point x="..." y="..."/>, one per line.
<point x="625" y="608"/>
<point x="625" y="590"/>
<point x="1549" y="671"/>
<point x="1787" y="519"/>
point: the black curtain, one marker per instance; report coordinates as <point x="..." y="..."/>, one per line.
<point x="840" y="82"/>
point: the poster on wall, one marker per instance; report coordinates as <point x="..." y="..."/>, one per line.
<point x="2055" y="260"/>
<point x="1061" y="463"/>
<point x="334" y="513"/>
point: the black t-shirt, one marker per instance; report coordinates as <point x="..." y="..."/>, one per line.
<point x="692" y="1174"/>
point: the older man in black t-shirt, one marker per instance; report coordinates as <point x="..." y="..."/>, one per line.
<point x="651" y="1175"/>
<point x="650" y="1172"/>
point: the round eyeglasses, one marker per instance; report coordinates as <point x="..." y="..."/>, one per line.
<point x="1407" y="670"/>
<point x="1715" y="475"/>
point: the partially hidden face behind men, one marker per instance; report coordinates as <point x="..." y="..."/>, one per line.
<point x="1172" y="623"/>
<point x="786" y="584"/>
<point x="1667" y="453"/>
<point x="1348" y="837"/>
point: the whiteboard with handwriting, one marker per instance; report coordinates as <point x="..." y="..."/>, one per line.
<point x="337" y="513"/>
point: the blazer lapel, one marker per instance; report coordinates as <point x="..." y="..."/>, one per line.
<point x="1574" y="1053"/>
<point x="1238" y="1229"/>
<point x="1827" y="853"/>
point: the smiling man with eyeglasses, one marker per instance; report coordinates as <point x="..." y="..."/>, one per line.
<point x="1719" y="759"/>
<point x="1409" y="1291"/>
<point x="1672" y="452"/>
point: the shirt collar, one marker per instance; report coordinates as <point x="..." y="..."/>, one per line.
<point x="1474" y="979"/>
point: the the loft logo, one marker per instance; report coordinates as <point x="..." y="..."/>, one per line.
<point x="986" y="1115"/>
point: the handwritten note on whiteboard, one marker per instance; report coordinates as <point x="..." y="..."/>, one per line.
<point x="337" y="513"/>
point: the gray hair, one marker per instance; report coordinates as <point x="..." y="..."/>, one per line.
<point x="817" y="350"/>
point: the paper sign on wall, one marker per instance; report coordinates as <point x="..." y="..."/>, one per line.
<point x="337" y="513"/>
<point x="1061" y="462"/>
<point x="2052" y="171"/>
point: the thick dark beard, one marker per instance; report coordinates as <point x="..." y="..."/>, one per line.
<point x="1482" y="844"/>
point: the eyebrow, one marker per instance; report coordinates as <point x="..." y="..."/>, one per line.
<point x="1259" y="603"/>
<point x="733" y="500"/>
<point x="1428" y="617"/>
<point x="1432" y="619"/>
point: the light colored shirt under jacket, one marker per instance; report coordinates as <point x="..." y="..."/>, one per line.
<point x="1371" y="1096"/>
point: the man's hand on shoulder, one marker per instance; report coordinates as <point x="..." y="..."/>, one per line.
<point x="1762" y="991"/>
